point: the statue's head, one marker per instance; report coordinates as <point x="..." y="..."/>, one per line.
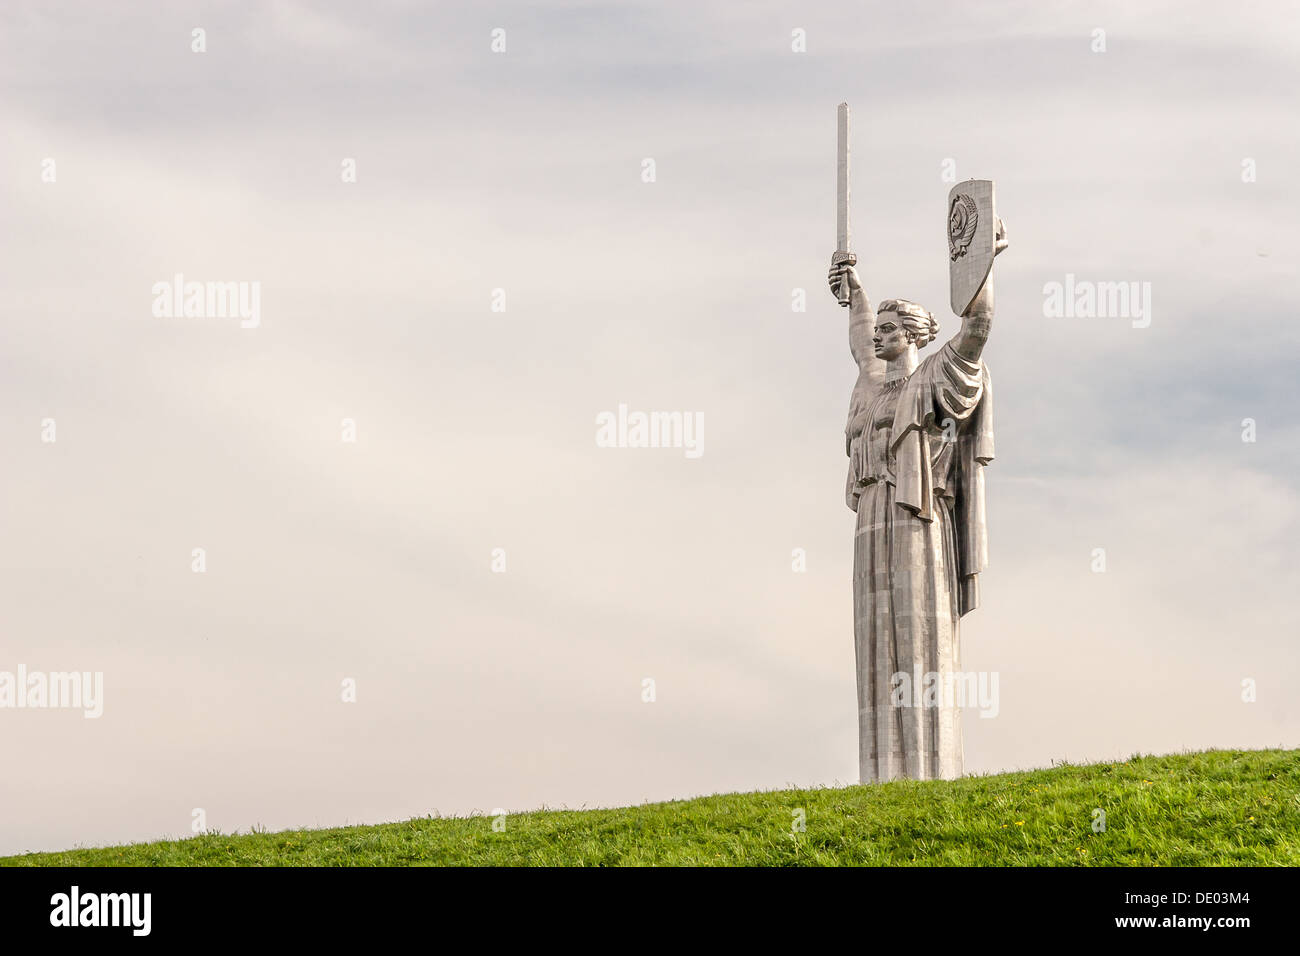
<point x="901" y="325"/>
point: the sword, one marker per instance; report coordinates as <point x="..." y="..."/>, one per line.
<point x="842" y="253"/>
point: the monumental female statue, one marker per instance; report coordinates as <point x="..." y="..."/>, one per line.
<point x="919" y="434"/>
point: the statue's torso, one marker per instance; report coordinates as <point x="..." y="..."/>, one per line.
<point x="874" y="464"/>
<point x="938" y="401"/>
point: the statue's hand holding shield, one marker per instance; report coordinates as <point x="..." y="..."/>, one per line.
<point x="975" y="236"/>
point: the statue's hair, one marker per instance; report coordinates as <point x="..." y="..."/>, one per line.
<point x="917" y="321"/>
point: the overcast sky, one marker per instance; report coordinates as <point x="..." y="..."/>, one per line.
<point x="371" y="561"/>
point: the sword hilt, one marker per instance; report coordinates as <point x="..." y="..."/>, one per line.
<point x="844" y="294"/>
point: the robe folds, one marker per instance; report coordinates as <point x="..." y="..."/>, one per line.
<point x="917" y="451"/>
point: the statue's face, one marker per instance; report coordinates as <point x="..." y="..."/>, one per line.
<point x="891" y="339"/>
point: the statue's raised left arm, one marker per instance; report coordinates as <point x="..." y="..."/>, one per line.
<point x="978" y="320"/>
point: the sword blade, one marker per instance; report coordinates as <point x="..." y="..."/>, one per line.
<point x="842" y="182"/>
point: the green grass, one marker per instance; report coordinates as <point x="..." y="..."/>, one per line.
<point x="1211" y="808"/>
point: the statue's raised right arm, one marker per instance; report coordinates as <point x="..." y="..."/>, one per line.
<point x="862" y="326"/>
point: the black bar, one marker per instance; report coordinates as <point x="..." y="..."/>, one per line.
<point x="982" y="906"/>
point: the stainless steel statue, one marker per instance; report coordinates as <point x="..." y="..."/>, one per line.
<point x="918" y="437"/>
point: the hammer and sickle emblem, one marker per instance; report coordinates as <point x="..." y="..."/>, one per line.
<point x="962" y="220"/>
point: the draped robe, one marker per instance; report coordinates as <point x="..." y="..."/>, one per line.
<point x="917" y="450"/>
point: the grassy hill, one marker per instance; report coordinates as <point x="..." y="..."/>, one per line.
<point x="1216" y="807"/>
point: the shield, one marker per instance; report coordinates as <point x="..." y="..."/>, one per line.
<point x="972" y="226"/>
